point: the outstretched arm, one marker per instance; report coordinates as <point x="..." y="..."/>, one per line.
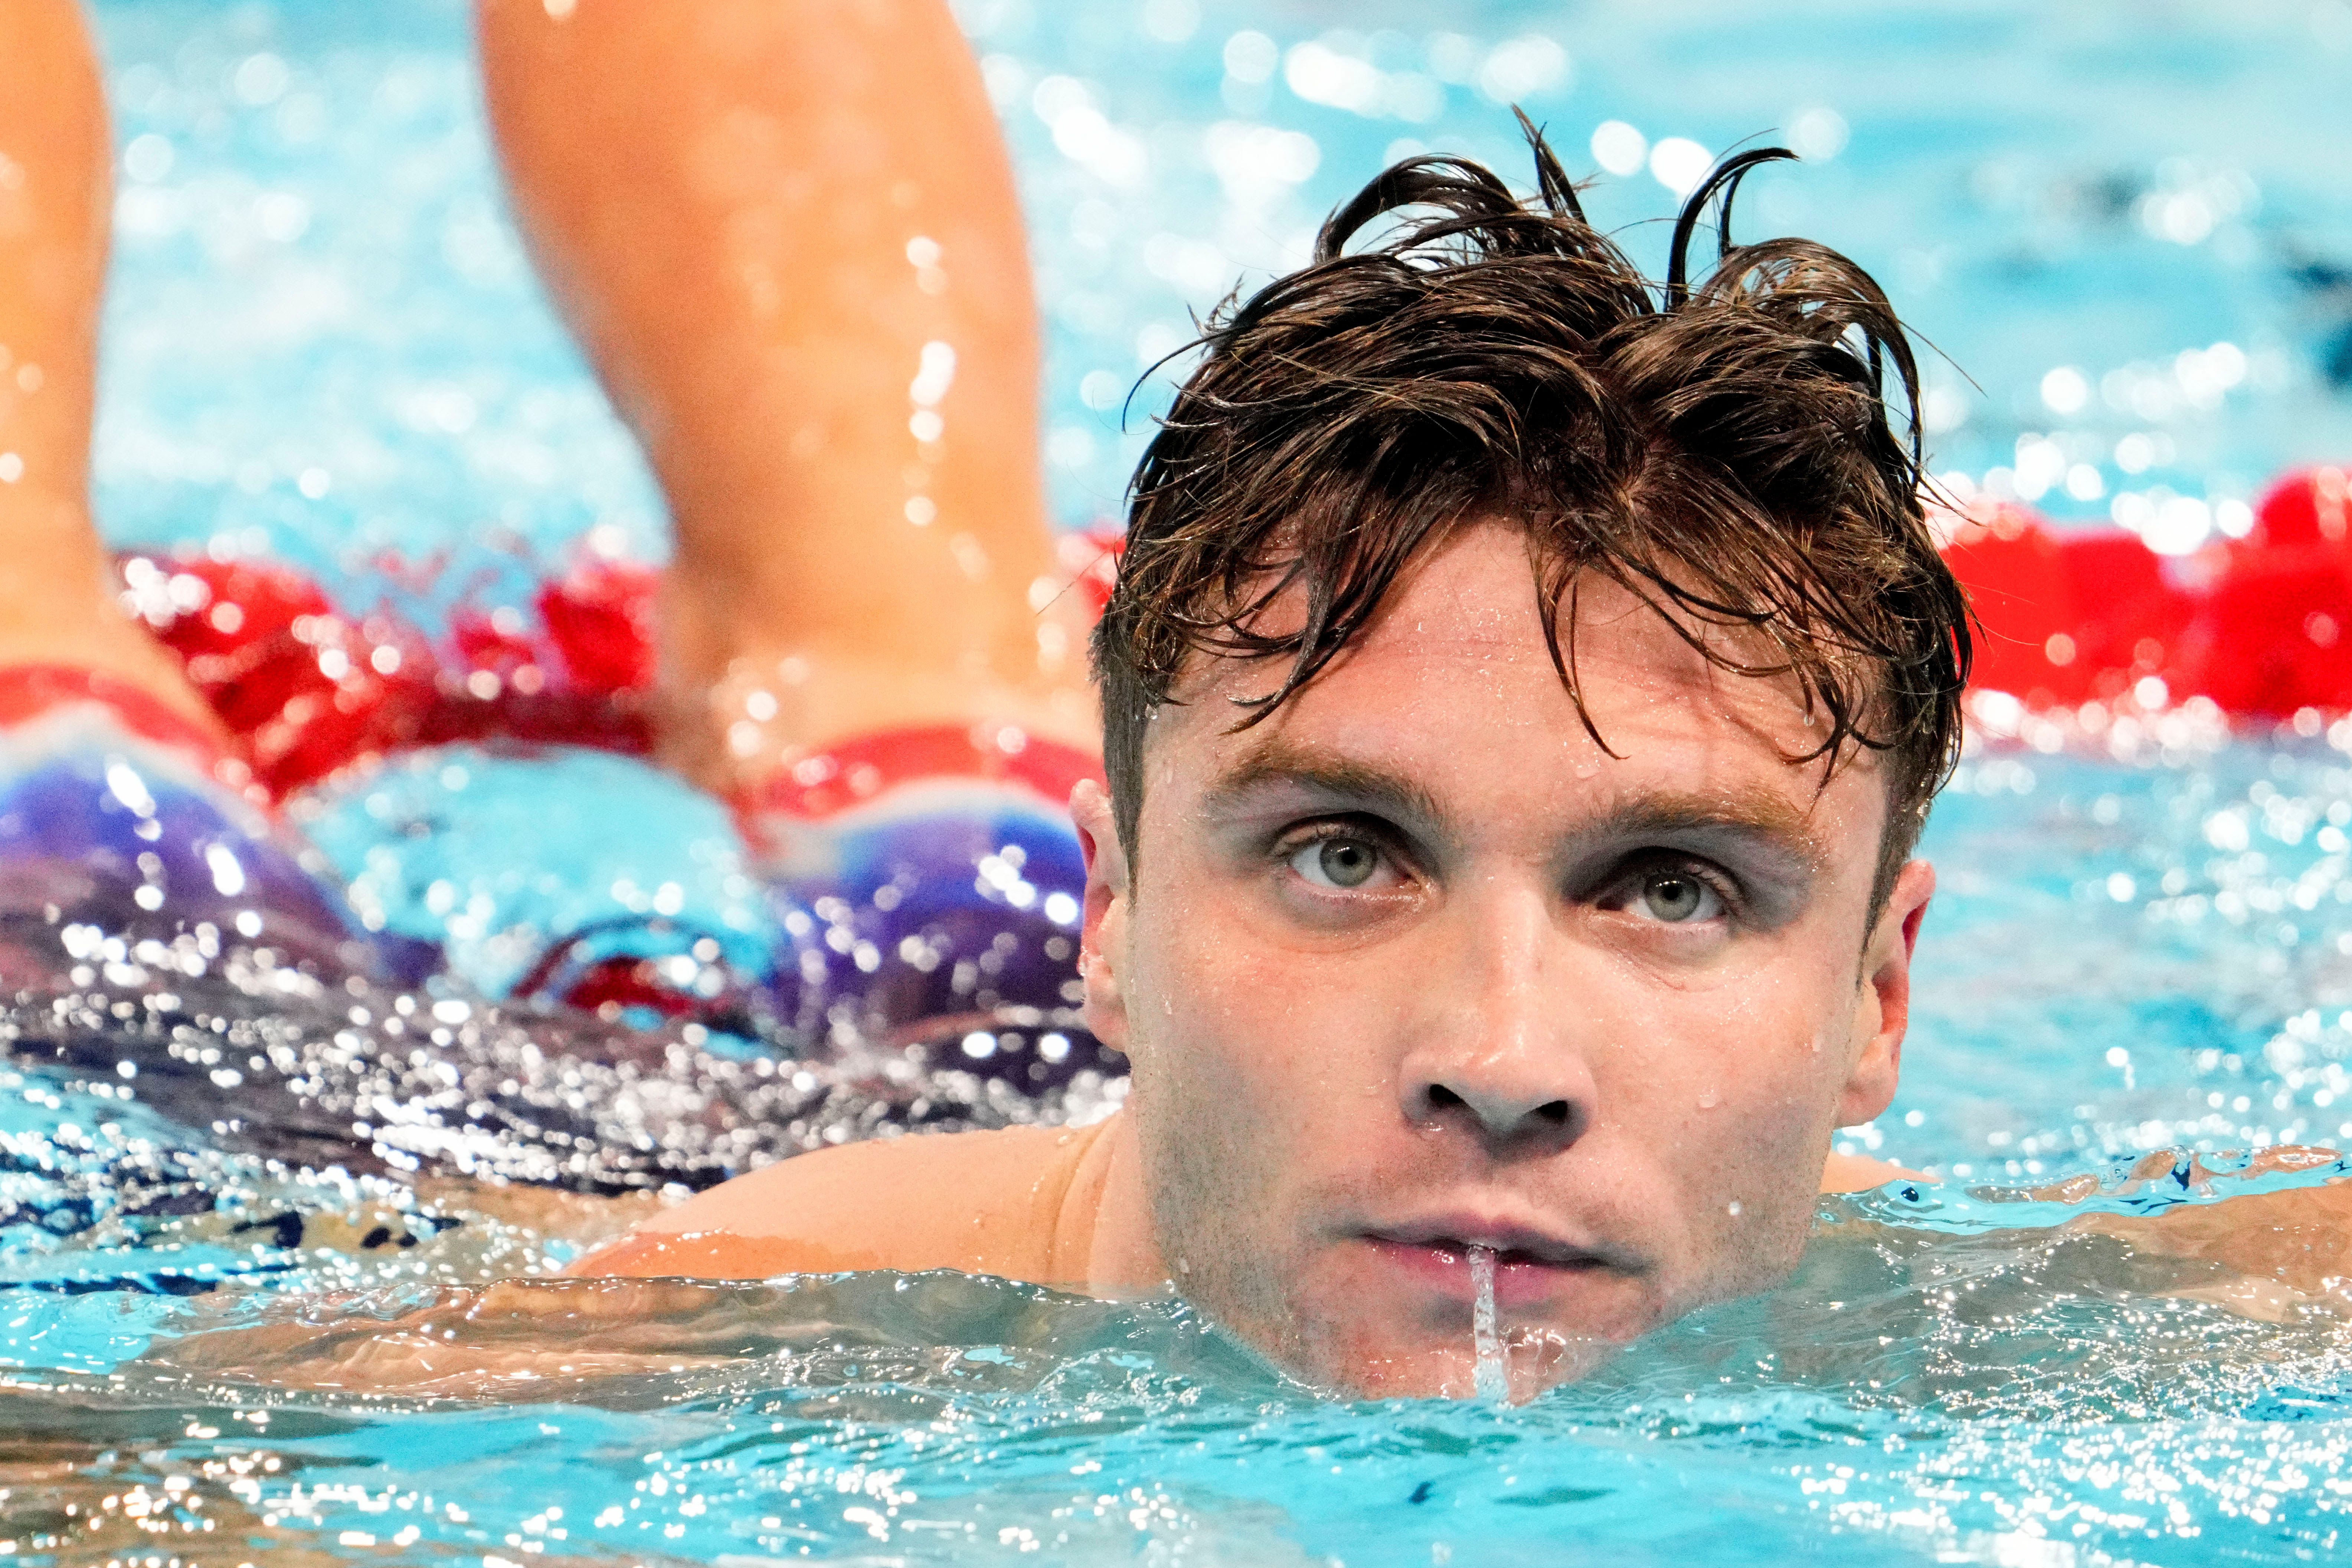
<point x="2287" y="1249"/>
<point x="1858" y="1173"/>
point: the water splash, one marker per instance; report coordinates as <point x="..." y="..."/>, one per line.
<point x="1491" y="1382"/>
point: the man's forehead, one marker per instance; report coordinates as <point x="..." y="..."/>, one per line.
<point x="1455" y="675"/>
<point x="1472" y="610"/>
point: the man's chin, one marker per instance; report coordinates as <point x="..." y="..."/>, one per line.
<point x="1354" y="1337"/>
<point x="1383" y="1319"/>
<point x="1365" y="1362"/>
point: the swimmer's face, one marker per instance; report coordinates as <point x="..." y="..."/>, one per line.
<point x="1416" y="966"/>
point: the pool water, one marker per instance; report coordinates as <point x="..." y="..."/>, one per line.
<point x="270" y="1318"/>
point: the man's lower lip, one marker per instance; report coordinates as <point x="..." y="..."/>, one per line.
<point x="1518" y="1278"/>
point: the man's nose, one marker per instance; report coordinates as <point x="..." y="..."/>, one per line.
<point x="1500" y="1051"/>
<point x="1503" y="1108"/>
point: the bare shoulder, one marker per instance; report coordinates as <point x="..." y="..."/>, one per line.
<point x="983" y="1201"/>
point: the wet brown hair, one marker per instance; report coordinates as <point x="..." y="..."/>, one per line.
<point x="1720" y="449"/>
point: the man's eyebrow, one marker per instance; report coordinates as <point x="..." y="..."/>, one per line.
<point x="1755" y="812"/>
<point x="1672" y="810"/>
<point x="1277" y="764"/>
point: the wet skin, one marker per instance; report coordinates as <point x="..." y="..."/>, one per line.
<point x="1417" y="964"/>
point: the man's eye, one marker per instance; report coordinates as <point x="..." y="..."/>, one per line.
<point x="1678" y="898"/>
<point x="1337" y="863"/>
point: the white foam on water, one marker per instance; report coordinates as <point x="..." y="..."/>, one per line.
<point x="1491" y="1382"/>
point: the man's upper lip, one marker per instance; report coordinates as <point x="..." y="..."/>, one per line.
<point x="1524" y="1239"/>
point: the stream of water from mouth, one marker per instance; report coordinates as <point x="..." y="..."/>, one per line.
<point x="1490" y="1382"/>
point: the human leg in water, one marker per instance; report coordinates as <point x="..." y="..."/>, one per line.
<point x="788" y="238"/>
<point x="123" y="809"/>
<point x="853" y="650"/>
<point x="134" y="860"/>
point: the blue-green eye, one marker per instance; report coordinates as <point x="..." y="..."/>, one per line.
<point x="1678" y="898"/>
<point x="1339" y="863"/>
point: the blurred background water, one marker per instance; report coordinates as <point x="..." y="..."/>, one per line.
<point x="2128" y="231"/>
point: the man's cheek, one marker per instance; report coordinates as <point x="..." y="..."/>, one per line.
<point x="1728" y="1108"/>
<point x="1772" y="1161"/>
<point x="1193" y="1014"/>
<point x="1214" y="976"/>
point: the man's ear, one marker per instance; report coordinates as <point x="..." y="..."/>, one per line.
<point x="1882" y="1010"/>
<point x="1102" y="938"/>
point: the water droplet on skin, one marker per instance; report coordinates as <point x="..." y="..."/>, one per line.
<point x="1706" y="1099"/>
<point x="1733" y="1208"/>
<point x="1586" y="769"/>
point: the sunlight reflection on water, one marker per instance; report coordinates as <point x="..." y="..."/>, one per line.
<point x="324" y="343"/>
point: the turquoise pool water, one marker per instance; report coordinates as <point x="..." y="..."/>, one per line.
<point x="324" y="344"/>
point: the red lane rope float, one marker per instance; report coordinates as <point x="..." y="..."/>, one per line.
<point x="1091" y="557"/>
<point x="2261" y="627"/>
<point x="311" y="689"/>
<point x="2066" y="617"/>
<point x="304" y="684"/>
<point x="583" y="676"/>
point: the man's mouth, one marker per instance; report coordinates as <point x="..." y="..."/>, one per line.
<point x="1531" y="1265"/>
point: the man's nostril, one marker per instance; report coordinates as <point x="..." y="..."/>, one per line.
<point x="1501" y="1119"/>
